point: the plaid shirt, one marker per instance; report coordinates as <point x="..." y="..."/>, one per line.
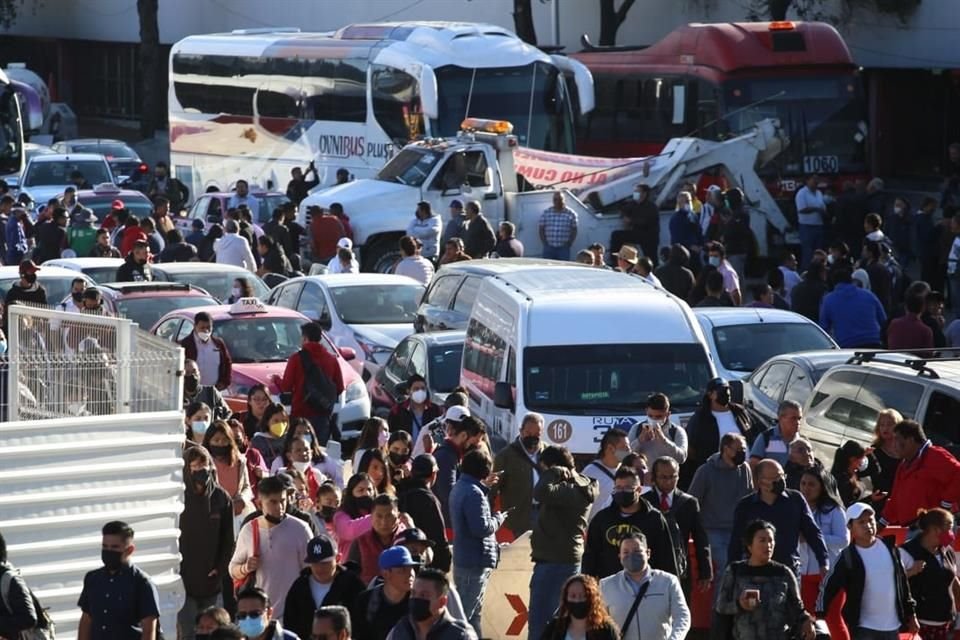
<point x="558" y="227"/>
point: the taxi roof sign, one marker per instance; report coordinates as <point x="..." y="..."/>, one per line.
<point x="247" y="305"/>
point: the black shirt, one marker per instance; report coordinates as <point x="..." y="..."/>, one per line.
<point x="118" y="602"/>
<point x="373" y="616"/>
<point x="17" y="294"/>
<point x="178" y="252"/>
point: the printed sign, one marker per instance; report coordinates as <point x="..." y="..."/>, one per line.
<point x="576" y="173"/>
<point x="559" y="431"/>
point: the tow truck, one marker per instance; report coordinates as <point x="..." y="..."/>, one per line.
<point x="484" y="163"/>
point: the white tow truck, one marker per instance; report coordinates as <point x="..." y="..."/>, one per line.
<point x="484" y="163"/>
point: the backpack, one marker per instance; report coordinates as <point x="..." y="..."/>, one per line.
<point x="44" y="630"/>
<point x="319" y="391"/>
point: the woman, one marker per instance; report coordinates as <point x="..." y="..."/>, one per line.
<point x="256" y="468"/>
<point x="269" y="437"/>
<point x="931" y="566"/>
<point x="327" y="502"/>
<point x="297" y="457"/>
<point x="273" y="258"/>
<point x="884" y="452"/>
<point x="205" y="251"/>
<point x="820" y="492"/>
<point x="353" y="519"/>
<point x="232" y="473"/>
<point x="375" y="434"/>
<point x="332" y="469"/>
<point x="582" y="614"/>
<point x="399" y="447"/>
<point x="18" y="613"/>
<point x="196" y="420"/>
<point x="258" y="399"/>
<point x="416" y="411"/>
<point x="374" y="464"/>
<point x="241" y="289"/>
<point x="761" y="594"/>
<point x="849" y="462"/>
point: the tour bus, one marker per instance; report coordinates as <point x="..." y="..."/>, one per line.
<point x="255" y="103"/>
<point x="583" y="347"/>
<point x="715" y="81"/>
<point x="20" y="111"/>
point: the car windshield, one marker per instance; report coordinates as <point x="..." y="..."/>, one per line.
<point x="57" y="287"/>
<point x="100" y="205"/>
<point x="744" y="347"/>
<point x="377" y="304"/>
<point x="267" y="205"/>
<point x="145" y="311"/>
<point x="108" y="149"/>
<point x="58" y="173"/>
<point x="259" y="339"/>
<point x="102" y="274"/>
<point x="219" y="285"/>
<point x="613" y="378"/>
<point x="444" y="363"/>
<point x="410" y="167"/>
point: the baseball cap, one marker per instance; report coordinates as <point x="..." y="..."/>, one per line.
<point x="423" y="465"/>
<point x="408" y="536"/>
<point x="456" y="414"/>
<point x="345" y="243"/>
<point x="321" y="549"/>
<point x="197" y="224"/>
<point x="395" y="557"/>
<point x="857" y="509"/>
<point x="117" y="205"/>
<point x="287" y="480"/>
<point x="716" y="383"/>
<point x="28" y="266"/>
<point x="456" y="204"/>
<point x="714" y="188"/>
<point x="70" y="189"/>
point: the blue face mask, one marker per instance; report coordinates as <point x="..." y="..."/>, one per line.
<point x="252" y="627"/>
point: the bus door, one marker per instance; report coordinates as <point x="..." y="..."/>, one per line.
<point x="468" y="175"/>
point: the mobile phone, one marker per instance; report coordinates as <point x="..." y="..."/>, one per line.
<point x="334" y="450"/>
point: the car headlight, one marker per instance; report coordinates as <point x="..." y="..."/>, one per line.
<point x="370" y="348"/>
<point x="237" y="390"/>
<point x="355" y="391"/>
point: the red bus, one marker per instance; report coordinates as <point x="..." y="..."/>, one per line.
<point x="716" y="80"/>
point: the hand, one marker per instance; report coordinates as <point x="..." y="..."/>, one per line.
<point x="747" y="604"/>
<point x="252" y="564"/>
<point x="868" y="451"/>
<point x="428" y="443"/>
<point x="658" y="433"/>
<point x="807" y="630"/>
<point x="493" y="479"/>
<point x="238" y="505"/>
<point x="704" y="585"/>
<point x="878" y="495"/>
<point x="917" y="567"/>
<point x="912" y="625"/>
<point x="212" y="573"/>
<point x="646" y="434"/>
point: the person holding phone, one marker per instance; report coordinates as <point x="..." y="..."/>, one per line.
<point x="658" y="436"/>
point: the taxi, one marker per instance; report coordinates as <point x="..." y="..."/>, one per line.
<point x="261" y="338"/>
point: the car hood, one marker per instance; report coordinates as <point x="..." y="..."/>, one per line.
<point x="387" y="335"/>
<point x="366" y="202"/>
<point x="43" y="193"/>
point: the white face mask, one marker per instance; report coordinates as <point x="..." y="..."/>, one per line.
<point x="204" y="335"/>
<point x="301" y="466"/>
<point x="637" y="195"/>
<point x="419" y="396"/>
<point x="200" y="427"/>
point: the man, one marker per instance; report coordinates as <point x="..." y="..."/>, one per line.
<point x="909" y="332"/>
<point x="644" y="271"/>
<point x="176" y="250"/>
<point x="659" y="436"/>
<point x="627" y="258"/>
<point x="722" y="481"/>
<point x="788" y="267"/>
<point x="241" y="196"/>
<point x="476" y="552"/>
<point x="556" y="545"/>
<point x="716" y="416"/>
<point x="717" y="257"/>
<point x="682" y="513"/>
<point x="234" y="249"/>
<point x="629" y="513"/>
<point x="256" y="619"/>
<point x="614" y="447"/>
<point x="412" y="264"/>
<point x="274" y="563"/>
<point x="806" y="297"/>
<point x="786" y="510"/>
<point x="26" y="290"/>
<point x="811" y="211"/>
<point x="685" y="226"/>
<point x="558" y="229"/>
<point x="774" y="443"/>
<point x="206" y="538"/>
<point x="464" y="432"/>
<point x="379" y="608"/>
<point x="51" y="236"/>
<point x="662" y="612"/>
<point x="453" y="252"/>
<point x="298" y="188"/>
<point x="762" y="297"/>
<point x="175" y="191"/>
<point x="15" y="233"/>
<point x="713" y="287"/>
<point x="478" y="237"/>
<point x="457" y="224"/>
<point x="82" y="234"/>
<point x="675" y="276"/>
<point x="336" y="210"/>
<point x="118" y="601"/>
<point x="210" y="353"/>
<point x="331" y="622"/>
<point x="161" y="215"/>
<point x="425" y="227"/>
<point x="878" y="603"/>
<point x="428" y="616"/>
<point x="852" y="315"/>
<point x="193" y="391"/>
<point x="103" y="248"/>
<point x="586" y="258"/>
<point x="599" y="254"/>
<point x="276" y="228"/>
<point x="777" y="291"/>
<point x="881" y="281"/>
<point x="292" y="505"/>
<point x="322" y="583"/>
<point x="313" y="399"/>
<point x="417" y="500"/>
<point x="928" y="476"/>
<point x="154" y="238"/>
<point x="518" y="466"/>
<point x="366" y="549"/>
<point x="195" y="237"/>
<point x="136" y="267"/>
<point x="642" y="218"/>
<point x="77" y="287"/>
<point x="508" y="246"/>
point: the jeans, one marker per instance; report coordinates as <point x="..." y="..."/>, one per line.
<point x="556" y="253"/>
<point x="187" y="618"/>
<point x="471" y="583"/>
<point x="719" y="539"/>
<point x="325" y="428"/>
<point x="811" y="239"/>
<point x="546" y="584"/>
<point x="861" y="633"/>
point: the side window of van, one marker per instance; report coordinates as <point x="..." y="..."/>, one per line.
<point x="466" y="295"/>
<point x="441" y="291"/>
<point x="843" y="384"/>
<point x="940" y="422"/>
<point x="881" y="392"/>
<point x="483" y="355"/>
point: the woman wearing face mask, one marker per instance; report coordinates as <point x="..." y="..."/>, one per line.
<point x="232" y="473"/>
<point x="374" y="464"/>
<point x="258" y="399"/>
<point x="327" y="502"/>
<point x="582" y="614"/>
<point x="297" y="456"/>
<point x="241" y="289"/>
<point x="326" y="465"/>
<point x="416" y="411"/>
<point x="820" y="492"/>
<point x="269" y="437"/>
<point x="849" y="462"/>
<point x="375" y="434"/>
<point x="717" y="415"/>
<point x="256" y="467"/>
<point x="197" y="419"/>
<point x="399" y="447"/>
<point x="353" y="518"/>
<point x="931" y="566"/>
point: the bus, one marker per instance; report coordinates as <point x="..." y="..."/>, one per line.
<point x="18" y="100"/>
<point x="715" y="81"/>
<point x="253" y="104"/>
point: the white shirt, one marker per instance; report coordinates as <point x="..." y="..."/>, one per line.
<point x="319" y="591"/>
<point x="234" y="249"/>
<point x="604" y="482"/>
<point x="335" y="266"/>
<point x="790" y="279"/>
<point x="416" y="267"/>
<point x="726" y="423"/>
<point x="208" y="361"/>
<point x="236" y="200"/>
<point x="806" y="199"/>
<point x="652" y="279"/>
<point x="878" y="606"/>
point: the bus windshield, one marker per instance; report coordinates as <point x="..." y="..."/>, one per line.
<point x="512" y="94"/>
<point x="821" y="115"/>
<point x="410" y="166"/>
<point x="11" y="133"/>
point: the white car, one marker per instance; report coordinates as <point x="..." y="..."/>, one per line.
<point x="368" y="312"/>
<point x="46" y="176"/>
<point x="100" y="269"/>
<point x="56" y="281"/>
<point x="742" y="338"/>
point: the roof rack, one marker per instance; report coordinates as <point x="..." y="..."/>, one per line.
<point x="918" y="364"/>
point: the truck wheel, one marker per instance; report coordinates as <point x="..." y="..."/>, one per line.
<point x="382" y="256"/>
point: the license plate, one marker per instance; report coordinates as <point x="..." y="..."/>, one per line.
<point x="821" y="164"/>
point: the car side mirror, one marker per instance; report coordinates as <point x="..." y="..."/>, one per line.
<point x="326" y="323"/>
<point x="736" y="391"/>
<point x="348" y="353"/>
<point x="503" y="396"/>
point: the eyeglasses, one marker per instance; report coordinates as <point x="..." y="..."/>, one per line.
<point x="241" y="615"/>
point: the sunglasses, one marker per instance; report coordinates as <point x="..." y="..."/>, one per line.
<point x="241" y="615"/>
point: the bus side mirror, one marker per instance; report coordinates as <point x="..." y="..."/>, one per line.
<point x="503" y="396"/>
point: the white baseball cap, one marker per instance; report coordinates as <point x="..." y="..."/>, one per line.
<point x="857" y="509"/>
<point x="456" y="414"/>
<point x="345" y="243"/>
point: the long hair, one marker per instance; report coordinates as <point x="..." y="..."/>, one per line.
<point x="272" y="409"/>
<point x="370" y="433"/>
<point x="386" y="485"/>
<point x="597" y="616"/>
<point x="348" y="503"/>
<point x="829" y="495"/>
<point x="221" y="427"/>
<point x="316" y="453"/>
<point x="886" y="413"/>
<point x="845" y="453"/>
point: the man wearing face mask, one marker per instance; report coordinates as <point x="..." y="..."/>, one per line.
<point x="25" y="290"/>
<point x="412" y="414"/>
<point x="417" y="500"/>
<point x="292" y="508"/>
<point x="717" y="415"/>
<point x="77" y="287"/>
<point x="464" y="432"/>
<point x="118" y="601"/>
<point x="717" y="257"/>
<point x="518" y="464"/>
<point x="193" y="391"/>
<point x="641" y="219"/>
<point x="275" y="562"/>
<point x="136" y="267"/>
<point x="659" y="436"/>
<point x="256" y="619"/>
<point x="646" y="603"/>
<point x="614" y="447"/>
<point x="210" y="353"/>
<point x="206" y="538"/>
<point x="428" y="616"/>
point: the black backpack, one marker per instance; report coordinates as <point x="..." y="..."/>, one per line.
<point x="319" y="391"/>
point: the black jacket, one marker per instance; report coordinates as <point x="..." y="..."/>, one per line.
<point x="806" y="296"/>
<point x="130" y="271"/>
<point x="684" y="521"/>
<point x="178" y="252"/>
<point x="299" y="605"/>
<point x="557" y="630"/>
<point x="24" y="615"/>
<point x="206" y="539"/>
<point x="478" y="238"/>
<point x="17" y="294"/>
<point x="601" y="554"/>
<point x="373" y="616"/>
<point x="704" y="437"/>
<point x="931" y="587"/>
<point x="417" y="501"/>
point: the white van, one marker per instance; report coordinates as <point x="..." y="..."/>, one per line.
<point x="583" y="347"/>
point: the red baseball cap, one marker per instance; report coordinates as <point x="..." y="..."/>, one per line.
<point x="117" y="205"/>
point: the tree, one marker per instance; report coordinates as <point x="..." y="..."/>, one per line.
<point x="819" y="9"/>
<point x="149" y="66"/>
<point x="611" y="18"/>
<point x="523" y="21"/>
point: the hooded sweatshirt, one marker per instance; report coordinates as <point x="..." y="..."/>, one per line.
<point x="852" y="315"/>
<point x="718" y="488"/>
<point x="234" y="249"/>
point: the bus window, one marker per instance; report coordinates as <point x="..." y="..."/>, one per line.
<point x="279" y="97"/>
<point x="396" y="103"/>
<point x="336" y="90"/>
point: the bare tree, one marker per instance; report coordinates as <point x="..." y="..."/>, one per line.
<point x="149" y="66"/>
<point x="611" y="17"/>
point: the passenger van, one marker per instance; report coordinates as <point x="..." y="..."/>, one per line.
<point x="583" y="347"/>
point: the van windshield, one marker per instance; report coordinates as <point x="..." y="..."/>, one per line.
<point x="613" y="378"/>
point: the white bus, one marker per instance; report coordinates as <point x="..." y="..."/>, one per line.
<point x="253" y="104"/>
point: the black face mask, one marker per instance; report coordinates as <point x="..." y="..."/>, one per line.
<point x="327" y="513"/>
<point x="219" y="452"/>
<point x="420" y="609"/>
<point x="779" y="486"/>
<point x="77" y="296"/>
<point x="202" y="636"/>
<point x="398" y="458"/>
<point x="112" y="560"/>
<point x="739" y="458"/>
<point x="201" y="477"/>
<point x="29" y="278"/>
<point x="578" y="610"/>
<point x="530" y="442"/>
<point x="191" y="384"/>
<point x="723" y="397"/>
<point x="625" y="498"/>
<point x="275" y="519"/>
<point x="365" y="503"/>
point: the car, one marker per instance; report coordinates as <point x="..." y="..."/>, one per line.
<point x="46" y="176"/>
<point x="99" y="269"/>
<point x="215" y="278"/>
<point x="448" y="300"/>
<point x="100" y="199"/>
<point x="742" y="338"/>
<point x="147" y="302"/>
<point x="211" y="208"/>
<point x="30" y="149"/>
<point x="369" y="312"/>
<point x="124" y="161"/>
<point x="436" y="356"/>
<point x="261" y="338"/>
<point x="56" y="280"/>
